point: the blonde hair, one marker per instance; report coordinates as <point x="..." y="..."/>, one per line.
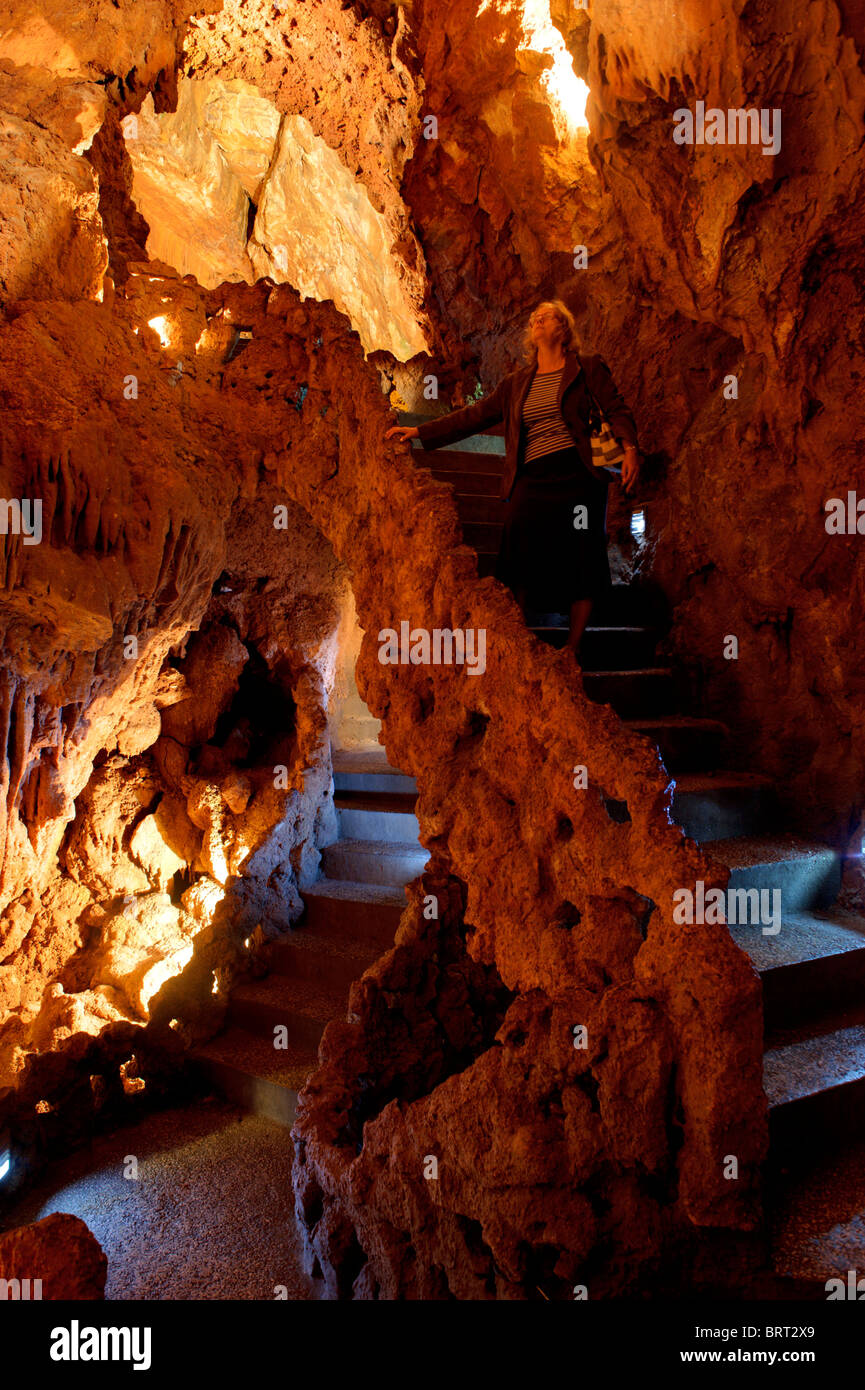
<point x="566" y="319"/>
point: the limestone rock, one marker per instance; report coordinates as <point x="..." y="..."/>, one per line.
<point x="211" y="671"/>
<point x="59" y="1251"/>
<point x="149" y="849"/>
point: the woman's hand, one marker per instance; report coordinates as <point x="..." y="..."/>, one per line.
<point x="402" y="432"/>
<point x="630" y="468"/>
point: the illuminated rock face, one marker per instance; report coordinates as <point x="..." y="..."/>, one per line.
<point x="195" y="205"/>
<point x="202" y="171"/>
<point x="317" y="229"/>
<point x="448" y="1020"/>
<point x="184" y="840"/>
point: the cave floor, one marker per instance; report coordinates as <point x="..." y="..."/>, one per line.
<point x="204" y="1220"/>
<point x="817" y="1214"/>
<point x="210" y="1216"/>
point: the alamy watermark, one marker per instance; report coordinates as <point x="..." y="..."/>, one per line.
<point x="441" y="647"/>
<point x="22" y="518"/>
<point x="737" y="907"/>
<point x="845" y="517"/>
<point x="77" y="1343"/>
<point x="735" y="126"/>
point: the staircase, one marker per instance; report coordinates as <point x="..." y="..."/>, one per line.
<point x="352" y="913"/>
<point x="812" y="970"/>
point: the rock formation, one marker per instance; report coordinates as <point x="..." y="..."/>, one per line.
<point x="206" y="446"/>
<point x="56" y="1258"/>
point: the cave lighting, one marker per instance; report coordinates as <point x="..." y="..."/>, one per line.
<point x="5" y="1157"/>
<point x="161" y="326"/>
<point x="567" y="93"/>
<point x="638" y="526"/>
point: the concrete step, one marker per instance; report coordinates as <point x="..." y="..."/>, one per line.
<point x="314" y="956"/>
<point x="468" y="482"/>
<point x="371" y="815"/>
<point x="407" y="417"/>
<point x="480" y="454"/>
<point x="607" y="648"/>
<point x="721" y="805"/>
<point x="685" y="744"/>
<point x="808" y="874"/>
<point x="815" y="964"/>
<point x="249" y="1070"/>
<point x="492" y="438"/>
<point x="633" y="694"/>
<point x="303" y="1007"/>
<point x="815" y="1085"/>
<point x="373" y="861"/>
<point x="369" y="912"/>
<point x="368" y="771"/>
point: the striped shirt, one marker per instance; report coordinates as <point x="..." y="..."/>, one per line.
<point x="546" y="430"/>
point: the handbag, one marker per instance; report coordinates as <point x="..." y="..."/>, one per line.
<point x="607" y="452"/>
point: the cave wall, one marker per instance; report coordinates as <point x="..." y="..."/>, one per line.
<point x="169" y="649"/>
<point x="703" y="261"/>
<point x="554" y="1164"/>
<point x="521" y="858"/>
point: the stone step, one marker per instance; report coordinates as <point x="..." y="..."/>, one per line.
<point x="468" y="482"/>
<point x="370" y="815"/>
<point x="368" y="771"/>
<point x="633" y="694"/>
<point x="685" y="744"/>
<point x="483" y="453"/>
<point x="368" y="912"/>
<point x="248" y="1070"/>
<point x="808" y="874"/>
<point x="373" y="861"/>
<point x="303" y="1007"/>
<point x="408" y="417"/>
<point x="815" y="1085"/>
<point x="815" y="964"/>
<point x="338" y="957"/>
<point x="708" y="806"/>
<point x="721" y="805"/>
<point x="625" y="648"/>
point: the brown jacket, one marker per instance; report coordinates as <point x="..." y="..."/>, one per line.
<point x="506" y="403"/>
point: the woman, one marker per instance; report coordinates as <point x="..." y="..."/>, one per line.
<point x="549" y="561"/>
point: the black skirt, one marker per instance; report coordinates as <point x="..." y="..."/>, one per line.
<point x="543" y="553"/>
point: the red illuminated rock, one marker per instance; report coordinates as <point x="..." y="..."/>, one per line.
<point x="60" y="1253"/>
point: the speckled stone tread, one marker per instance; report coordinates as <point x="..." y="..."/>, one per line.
<point x="371" y="760"/>
<point x="386" y="894"/>
<point x="814" y="1064"/>
<point x="320" y="999"/>
<point x="804" y="936"/>
<point x="744" y="851"/>
<point x="256" y="1055"/>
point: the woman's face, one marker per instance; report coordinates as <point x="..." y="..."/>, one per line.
<point x="546" y="327"/>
